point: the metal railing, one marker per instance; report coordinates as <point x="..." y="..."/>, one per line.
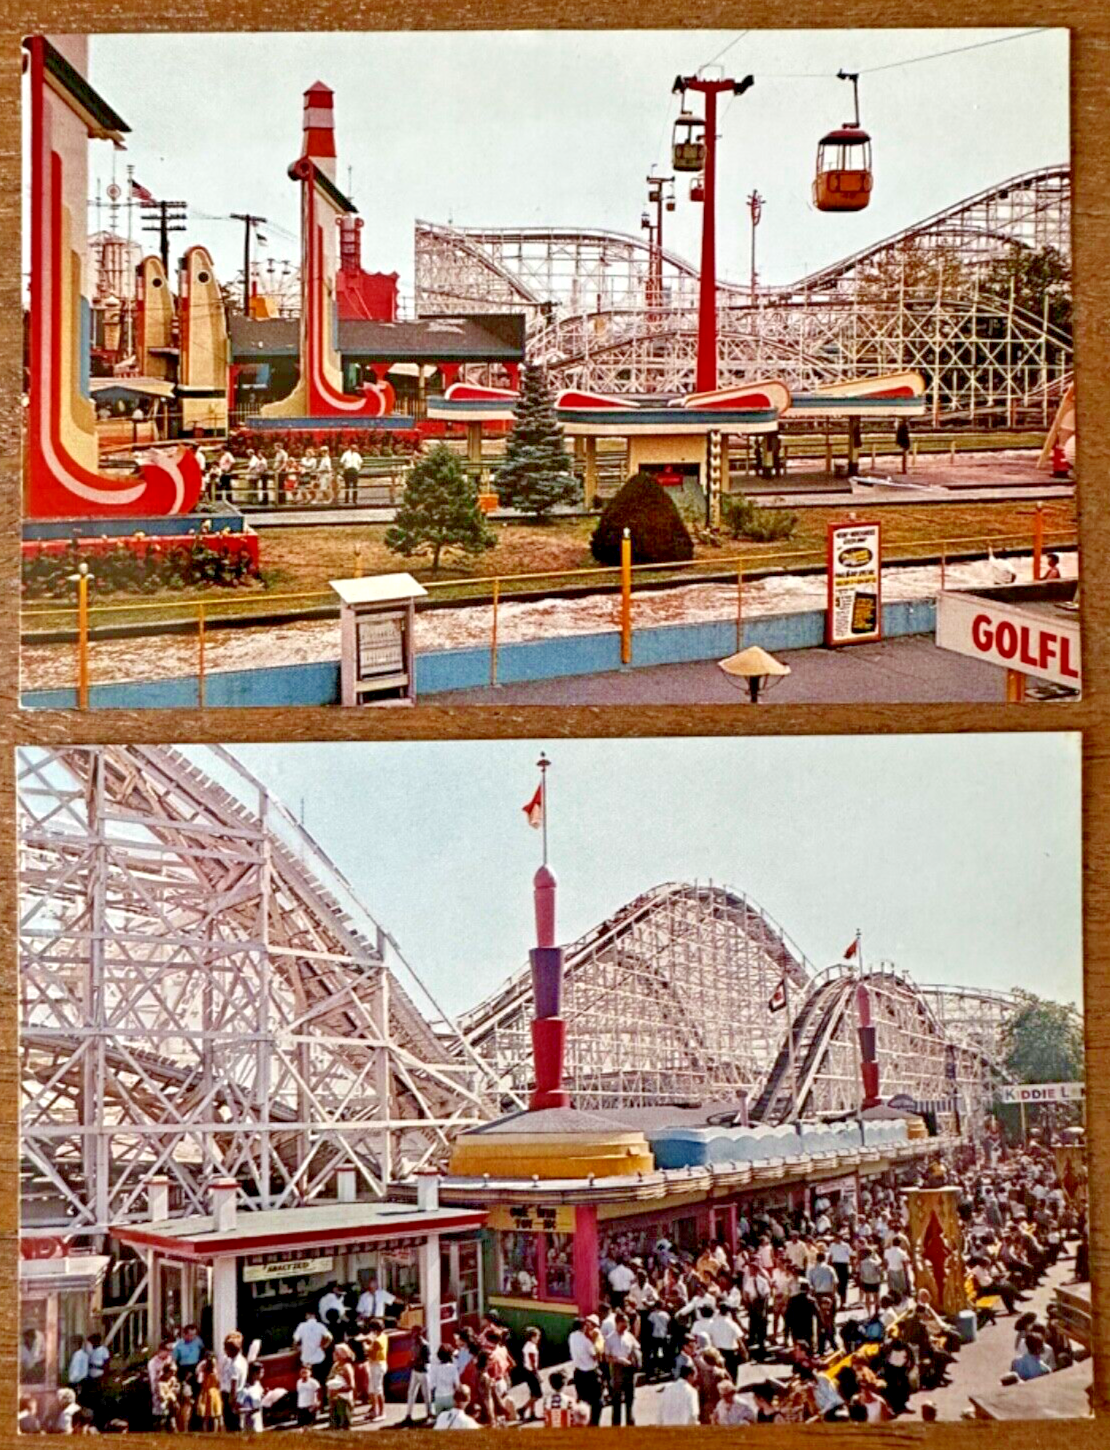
<point x="496" y="589"/>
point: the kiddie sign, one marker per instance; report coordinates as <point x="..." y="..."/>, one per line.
<point x="1032" y="641"/>
<point x="855" y="604"/>
<point x="1043" y="1092"/>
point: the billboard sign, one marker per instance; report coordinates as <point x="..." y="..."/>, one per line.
<point x="1042" y="1092"/>
<point x="854" y="613"/>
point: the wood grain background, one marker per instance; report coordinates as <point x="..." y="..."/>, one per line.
<point x="1090" y="25"/>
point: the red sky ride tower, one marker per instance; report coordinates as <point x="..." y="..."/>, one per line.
<point x="706" y="381"/>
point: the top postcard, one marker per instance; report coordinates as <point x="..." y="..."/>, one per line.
<point x="660" y="367"/>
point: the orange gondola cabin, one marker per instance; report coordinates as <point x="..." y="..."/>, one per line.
<point x="843" y="180"/>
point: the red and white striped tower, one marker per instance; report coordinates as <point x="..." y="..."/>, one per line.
<point x="319" y="128"/>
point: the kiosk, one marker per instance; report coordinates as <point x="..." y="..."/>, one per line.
<point x="59" y="1302"/>
<point x="376" y="633"/>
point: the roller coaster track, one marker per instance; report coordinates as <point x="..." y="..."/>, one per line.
<point x="901" y="302"/>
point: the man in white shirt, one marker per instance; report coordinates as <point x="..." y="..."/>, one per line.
<point x="840" y="1257"/>
<point x="795" y="1252"/>
<point x="311" y="1337"/>
<point x="329" y="1300"/>
<point x="727" y="1336"/>
<point x="350" y="464"/>
<point x="374" y="1301"/>
<point x="584" y="1359"/>
<point x="622" y="1351"/>
<point x="231" y="1371"/>
<point x="256" y="475"/>
<point x="897" y="1262"/>
<point x="678" y="1404"/>
<point x="621" y="1279"/>
<point x="225" y="468"/>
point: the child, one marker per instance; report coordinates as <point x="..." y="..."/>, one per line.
<point x="377" y="1351"/>
<point x="164" y="1408"/>
<point x="183" y="1414"/>
<point x="210" y="1403"/>
<point x="530" y="1359"/>
<point x="308" y="1398"/>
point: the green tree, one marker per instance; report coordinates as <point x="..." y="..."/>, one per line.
<point x="1039" y="276"/>
<point x="439" y="511"/>
<point x="536" y="473"/>
<point x="1043" y="1041"/>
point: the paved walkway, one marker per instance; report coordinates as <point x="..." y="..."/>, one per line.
<point x="910" y="670"/>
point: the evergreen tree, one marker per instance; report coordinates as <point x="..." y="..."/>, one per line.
<point x="536" y="474"/>
<point x="439" y="511"/>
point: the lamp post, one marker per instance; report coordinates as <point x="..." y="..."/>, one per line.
<point x="706" y="376"/>
<point x="661" y="196"/>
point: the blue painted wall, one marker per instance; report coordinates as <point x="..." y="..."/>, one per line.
<point x="442" y="671"/>
<point x="124" y="528"/>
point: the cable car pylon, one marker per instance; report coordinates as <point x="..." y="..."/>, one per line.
<point x="684" y="158"/>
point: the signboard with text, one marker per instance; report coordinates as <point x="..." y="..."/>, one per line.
<point x="286" y="1269"/>
<point x="531" y="1218"/>
<point x="1043" y="1092"/>
<point x="1040" y="643"/>
<point x="854" y="613"/>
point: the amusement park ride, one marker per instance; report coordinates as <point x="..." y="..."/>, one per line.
<point x="644" y="364"/>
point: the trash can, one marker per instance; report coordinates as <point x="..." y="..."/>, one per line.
<point x="965" y="1325"/>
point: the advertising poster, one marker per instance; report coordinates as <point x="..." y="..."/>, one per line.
<point x="855" y="603"/>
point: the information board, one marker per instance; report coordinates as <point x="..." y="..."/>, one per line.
<point x="381" y="649"/>
<point x="854" y="613"/>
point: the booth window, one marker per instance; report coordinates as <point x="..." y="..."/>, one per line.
<point x="537" y="1265"/>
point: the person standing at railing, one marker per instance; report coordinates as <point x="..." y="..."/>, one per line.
<point x="351" y="464"/>
<point x="280" y="473"/>
<point x="256" y="477"/>
<point x="327" y="491"/>
<point x="224" y="468"/>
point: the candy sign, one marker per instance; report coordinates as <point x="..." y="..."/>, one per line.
<point x="855" y="605"/>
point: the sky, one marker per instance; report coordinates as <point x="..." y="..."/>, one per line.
<point x="561" y="128"/>
<point x="956" y="857"/>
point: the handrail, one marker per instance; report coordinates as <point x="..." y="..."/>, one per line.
<point x="719" y="563"/>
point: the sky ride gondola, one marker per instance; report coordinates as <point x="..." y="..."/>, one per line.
<point x="844" y="179"/>
<point x="688" y="153"/>
<point x="697" y="189"/>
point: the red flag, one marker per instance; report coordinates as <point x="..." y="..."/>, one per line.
<point x="778" y="998"/>
<point x="140" y="193"/>
<point x="534" y="809"/>
<point x="850" y="952"/>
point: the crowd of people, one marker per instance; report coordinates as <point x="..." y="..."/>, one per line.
<point x="824" y="1302"/>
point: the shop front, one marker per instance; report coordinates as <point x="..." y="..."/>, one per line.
<point x="258" y="1273"/>
<point x="59" y="1307"/>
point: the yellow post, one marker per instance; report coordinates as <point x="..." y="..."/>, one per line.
<point x="200" y="655"/>
<point x="493" y="634"/>
<point x="358" y="560"/>
<point x="83" y="637"/>
<point x="1015" y="687"/>
<point x="1038" y="540"/>
<point x="739" y="609"/>
<point x="626" y="598"/>
<point x="943" y="552"/>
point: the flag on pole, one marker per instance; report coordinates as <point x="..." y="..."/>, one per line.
<point x="534" y="809"/>
<point x="140" y="193"/>
<point x="849" y="952"/>
<point x="778" y="997"/>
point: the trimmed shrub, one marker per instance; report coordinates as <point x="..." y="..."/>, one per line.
<point x="746" y="520"/>
<point x="649" y="513"/>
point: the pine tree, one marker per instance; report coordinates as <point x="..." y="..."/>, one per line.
<point x="439" y="511"/>
<point x="536" y="474"/>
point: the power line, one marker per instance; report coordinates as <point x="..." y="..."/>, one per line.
<point x="735" y="41"/>
<point x="912" y="60"/>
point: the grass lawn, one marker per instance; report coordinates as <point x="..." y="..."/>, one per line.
<point x="303" y="560"/>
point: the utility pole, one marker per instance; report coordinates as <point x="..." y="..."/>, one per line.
<point x="249" y="223"/>
<point x="706" y="377"/>
<point x="164" y="217"/>
<point x="755" y="207"/>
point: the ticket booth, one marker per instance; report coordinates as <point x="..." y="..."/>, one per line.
<point x="377" y="620"/>
<point x="59" y="1305"/>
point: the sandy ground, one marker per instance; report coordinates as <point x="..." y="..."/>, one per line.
<point x="308" y="642"/>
